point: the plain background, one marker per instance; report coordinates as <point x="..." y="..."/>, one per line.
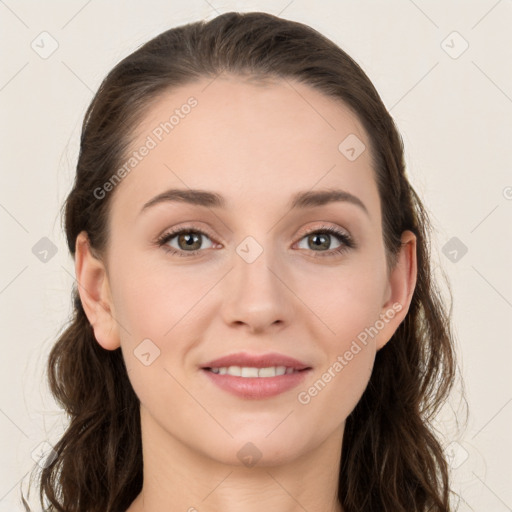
<point x="452" y="105"/>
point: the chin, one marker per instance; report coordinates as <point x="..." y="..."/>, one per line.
<point x="256" y="449"/>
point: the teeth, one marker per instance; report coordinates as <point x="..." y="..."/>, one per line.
<point x="246" y="371"/>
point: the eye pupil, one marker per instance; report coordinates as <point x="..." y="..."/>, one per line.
<point x="189" y="239"/>
<point x="318" y="236"/>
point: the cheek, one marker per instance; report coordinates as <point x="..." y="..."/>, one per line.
<point x="158" y="314"/>
<point x="348" y="303"/>
<point x="162" y="305"/>
<point x="339" y="384"/>
<point x="327" y="400"/>
<point x="346" y="300"/>
<point x="150" y="299"/>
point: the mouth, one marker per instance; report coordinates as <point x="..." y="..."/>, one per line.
<point x="255" y="382"/>
<point x="255" y="372"/>
<point x="243" y="364"/>
<point x="255" y="376"/>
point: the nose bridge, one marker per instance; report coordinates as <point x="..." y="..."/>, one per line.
<point x="255" y="293"/>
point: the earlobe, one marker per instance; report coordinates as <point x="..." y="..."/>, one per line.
<point x="94" y="291"/>
<point x="402" y="282"/>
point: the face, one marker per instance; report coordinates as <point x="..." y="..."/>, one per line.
<point x="187" y="283"/>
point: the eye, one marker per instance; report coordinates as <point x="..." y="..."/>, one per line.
<point x="188" y="241"/>
<point x="321" y="238"/>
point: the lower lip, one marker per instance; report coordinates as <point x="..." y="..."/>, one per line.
<point x="257" y="387"/>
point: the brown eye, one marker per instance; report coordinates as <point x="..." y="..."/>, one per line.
<point x="184" y="241"/>
<point x="321" y="239"/>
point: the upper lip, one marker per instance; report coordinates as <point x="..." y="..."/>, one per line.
<point x="256" y="361"/>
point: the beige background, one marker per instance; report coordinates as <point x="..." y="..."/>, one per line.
<point x="452" y="105"/>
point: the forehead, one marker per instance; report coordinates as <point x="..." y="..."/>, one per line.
<point x="251" y="140"/>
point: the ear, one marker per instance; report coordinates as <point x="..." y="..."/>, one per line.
<point x="400" y="289"/>
<point x="94" y="290"/>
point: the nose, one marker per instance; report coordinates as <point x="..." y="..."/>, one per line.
<point x="257" y="295"/>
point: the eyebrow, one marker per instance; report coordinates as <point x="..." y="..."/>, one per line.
<point x="300" y="200"/>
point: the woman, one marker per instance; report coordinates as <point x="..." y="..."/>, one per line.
<point x="255" y="325"/>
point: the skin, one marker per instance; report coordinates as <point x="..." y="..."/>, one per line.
<point x="256" y="144"/>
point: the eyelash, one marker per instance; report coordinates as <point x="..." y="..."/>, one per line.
<point x="346" y="240"/>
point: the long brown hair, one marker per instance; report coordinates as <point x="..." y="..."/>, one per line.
<point x="392" y="461"/>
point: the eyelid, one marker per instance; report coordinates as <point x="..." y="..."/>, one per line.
<point x="187" y="226"/>
<point x="306" y="231"/>
<point x="345" y="237"/>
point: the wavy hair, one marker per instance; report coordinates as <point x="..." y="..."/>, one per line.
<point x="392" y="460"/>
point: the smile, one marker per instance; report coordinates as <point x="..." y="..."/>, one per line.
<point x="250" y="371"/>
<point x="255" y="383"/>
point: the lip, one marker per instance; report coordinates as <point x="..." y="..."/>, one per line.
<point x="256" y="361"/>
<point x="256" y="388"/>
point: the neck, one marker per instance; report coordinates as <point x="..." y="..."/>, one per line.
<point x="179" y="478"/>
